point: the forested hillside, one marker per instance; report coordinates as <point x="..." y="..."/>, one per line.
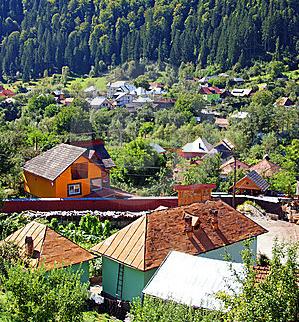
<point x="39" y="35"/>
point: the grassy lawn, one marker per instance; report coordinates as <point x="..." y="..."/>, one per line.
<point x="98" y="82"/>
<point x="96" y="317"/>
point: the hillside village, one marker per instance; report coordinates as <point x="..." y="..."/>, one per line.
<point x="148" y="190"/>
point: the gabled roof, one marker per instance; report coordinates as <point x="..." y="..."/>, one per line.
<point x="90" y="89"/>
<point x="50" y="248"/>
<point x="54" y="162"/>
<point x="199" y="145"/>
<point x="194" y="281"/>
<point x="266" y="168"/>
<point x="231" y="162"/>
<point x="96" y="148"/>
<point x="241" y="92"/>
<point x="253" y="176"/>
<point x="145" y="243"/>
<point x="158" y="148"/>
<point x="97" y="101"/>
<point x="211" y="90"/>
<point x="222" y="122"/>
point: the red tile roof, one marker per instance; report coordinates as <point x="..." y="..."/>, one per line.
<point x="145" y="243"/>
<point x="7" y="93"/>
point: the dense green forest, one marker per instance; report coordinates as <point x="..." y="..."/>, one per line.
<point x="44" y="35"/>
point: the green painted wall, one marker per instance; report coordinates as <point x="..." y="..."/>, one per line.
<point x="234" y="250"/>
<point x="109" y="274"/>
<point x="134" y="279"/>
<point x="85" y="268"/>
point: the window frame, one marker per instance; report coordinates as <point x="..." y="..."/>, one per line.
<point x="76" y="193"/>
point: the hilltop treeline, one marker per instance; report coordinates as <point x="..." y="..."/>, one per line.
<point x="39" y="35"/>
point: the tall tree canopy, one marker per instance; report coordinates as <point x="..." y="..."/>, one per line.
<point x="44" y="35"/>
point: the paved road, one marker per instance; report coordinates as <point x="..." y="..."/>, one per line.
<point x="282" y="230"/>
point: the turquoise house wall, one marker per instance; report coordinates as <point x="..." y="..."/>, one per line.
<point x="234" y="250"/>
<point x="84" y="267"/>
<point x="85" y="271"/>
<point x="134" y="279"/>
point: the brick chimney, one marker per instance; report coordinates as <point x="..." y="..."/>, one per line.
<point x="214" y="213"/>
<point x="188" y="224"/>
<point x="29" y="247"/>
<point x="189" y="194"/>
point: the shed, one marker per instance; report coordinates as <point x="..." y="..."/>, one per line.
<point x="43" y="246"/>
<point x="252" y="184"/>
<point x="194" y="281"/>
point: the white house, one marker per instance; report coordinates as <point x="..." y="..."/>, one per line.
<point x="100" y="102"/>
<point x="122" y="98"/>
<point x="119" y="87"/>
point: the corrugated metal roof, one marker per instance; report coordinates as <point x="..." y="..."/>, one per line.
<point x="194" y="281"/>
<point x="145" y="243"/>
<point x="53" y="162"/>
<point x="258" y="180"/>
<point x="127" y="245"/>
<point x="50" y="248"/>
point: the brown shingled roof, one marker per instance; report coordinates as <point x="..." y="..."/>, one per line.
<point x="50" y="248"/>
<point x="266" y="168"/>
<point x="50" y="164"/>
<point x="145" y="243"/>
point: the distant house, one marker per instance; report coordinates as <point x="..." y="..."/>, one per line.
<point x="164" y="102"/>
<point x="58" y="95"/>
<point x="42" y="246"/>
<point x="67" y="101"/>
<point x="252" y="183"/>
<point x="194" y="281"/>
<point x="198" y="148"/>
<point x="228" y="167"/>
<point x="119" y="87"/>
<point x="266" y="168"/>
<point x="121" y="99"/>
<point x="221" y="123"/>
<point x="211" y="93"/>
<point x="239" y="115"/>
<point x="6" y="93"/>
<point x="224" y="148"/>
<point x="100" y="102"/>
<point x="208" y="115"/>
<point x="238" y="80"/>
<point x="241" y="92"/>
<point x="68" y="171"/>
<point x="283" y="101"/>
<point x="158" y="148"/>
<point x="199" y="227"/>
<point x="91" y="91"/>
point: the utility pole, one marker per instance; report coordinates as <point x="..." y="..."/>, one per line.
<point x="235" y="179"/>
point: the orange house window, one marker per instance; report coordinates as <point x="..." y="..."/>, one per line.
<point x="74" y="189"/>
<point x="79" y="171"/>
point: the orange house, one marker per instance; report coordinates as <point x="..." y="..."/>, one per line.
<point x="65" y="171"/>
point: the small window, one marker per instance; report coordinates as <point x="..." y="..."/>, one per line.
<point x="79" y="171"/>
<point x="74" y="189"/>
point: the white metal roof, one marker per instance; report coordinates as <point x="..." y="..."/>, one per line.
<point x="199" y="145"/>
<point x="98" y="101"/>
<point x="193" y="280"/>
